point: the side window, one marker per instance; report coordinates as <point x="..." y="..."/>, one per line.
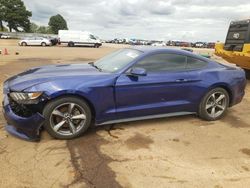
<point x="193" y="63"/>
<point x="92" y="37"/>
<point x="163" y="62"/>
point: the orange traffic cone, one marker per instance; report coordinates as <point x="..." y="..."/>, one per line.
<point x="5" y="52"/>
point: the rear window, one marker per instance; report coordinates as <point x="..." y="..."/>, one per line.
<point x="193" y="63"/>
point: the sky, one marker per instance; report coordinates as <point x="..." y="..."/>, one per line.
<point x="186" y="20"/>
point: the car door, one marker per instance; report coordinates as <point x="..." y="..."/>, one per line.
<point x="91" y="40"/>
<point x="31" y="41"/>
<point x="38" y="41"/>
<point x="162" y="90"/>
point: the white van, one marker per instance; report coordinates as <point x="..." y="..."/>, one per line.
<point x="80" y="38"/>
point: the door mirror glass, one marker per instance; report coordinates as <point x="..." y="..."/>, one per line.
<point x="136" y="71"/>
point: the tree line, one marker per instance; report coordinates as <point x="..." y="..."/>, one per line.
<point x="16" y="17"/>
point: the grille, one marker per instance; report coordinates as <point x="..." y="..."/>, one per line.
<point x="20" y="109"/>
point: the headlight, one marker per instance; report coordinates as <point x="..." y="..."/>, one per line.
<point x="26" y="98"/>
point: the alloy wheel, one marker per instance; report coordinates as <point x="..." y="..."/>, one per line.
<point x="67" y="119"/>
<point x="216" y="104"/>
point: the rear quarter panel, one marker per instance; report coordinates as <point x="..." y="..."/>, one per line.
<point x="233" y="80"/>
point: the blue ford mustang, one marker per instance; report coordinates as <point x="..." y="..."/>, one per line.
<point x="127" y="85"/>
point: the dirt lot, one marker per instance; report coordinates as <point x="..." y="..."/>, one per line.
<point x="168" y="152"/>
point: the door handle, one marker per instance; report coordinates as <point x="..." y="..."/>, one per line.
<point x="181" y="80"/>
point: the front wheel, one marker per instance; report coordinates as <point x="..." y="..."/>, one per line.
<point x="96" y="46"/>
<point x="43" y="44"/>
<point x="67" y="117"/>
<point x="214" y="104"/>
<point x="247" y="72"/>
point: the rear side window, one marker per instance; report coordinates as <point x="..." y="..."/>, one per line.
<point x="193" y="63"/>
<point x="163" y="62"/>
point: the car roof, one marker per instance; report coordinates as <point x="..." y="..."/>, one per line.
<point x="154" y="49"/>
<point x="149" y="49"/>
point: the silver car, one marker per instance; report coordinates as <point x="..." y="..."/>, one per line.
<point x="35" y="41"/>
<point x="4" y="36"/>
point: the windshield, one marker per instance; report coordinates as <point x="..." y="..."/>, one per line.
<point x="117" y="60"/>
<point x="92" y="37"/>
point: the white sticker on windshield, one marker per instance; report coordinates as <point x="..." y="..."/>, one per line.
<point x="132" y="55"/>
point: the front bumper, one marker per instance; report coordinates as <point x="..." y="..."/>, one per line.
<point x="23" y="127"/>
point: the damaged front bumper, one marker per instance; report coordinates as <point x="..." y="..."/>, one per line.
<point x="23" y="127"/>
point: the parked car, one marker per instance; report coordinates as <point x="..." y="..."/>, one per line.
<point x="211" y="45"/>
<point x="127" y="85"/>
<point x="200" y="45"/>
<point x="158" y="44"/>
<point x="176" y="43"/>
<point x="118" y="41"/>
<point x="54" y="40"/>
<point x="185" y="44"/>
<point x="35" y="41"/>
<point x="134" y="42"/>
<point x="4" y="36"/>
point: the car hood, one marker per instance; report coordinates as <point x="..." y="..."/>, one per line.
<point x="43" y="74"/>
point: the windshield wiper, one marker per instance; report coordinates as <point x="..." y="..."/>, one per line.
<point x="93" y="65"/>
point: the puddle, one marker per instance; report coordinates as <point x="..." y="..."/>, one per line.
<point x="90" y="164"/>
<point x="32" y="60"/>
<point x="235" y="121"/>
<point x="176" y="140"/>
<point x="246" y="151"/>
<point x="138" y="141"/>
<point x="245" y="168"/>
<point x="186" y="143"/>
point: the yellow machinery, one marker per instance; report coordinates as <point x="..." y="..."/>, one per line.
<point x="237" y="45"/>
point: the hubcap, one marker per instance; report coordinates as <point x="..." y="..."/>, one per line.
<point x="216" y="104"/>
<point x="67" y="119"/>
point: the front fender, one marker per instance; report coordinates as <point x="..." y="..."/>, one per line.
<point x="100" y="95"/>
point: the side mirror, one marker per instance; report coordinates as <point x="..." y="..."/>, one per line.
<point x="138" y="72"/>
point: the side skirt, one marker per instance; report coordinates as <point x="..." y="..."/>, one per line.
<point x="146" y="117"/>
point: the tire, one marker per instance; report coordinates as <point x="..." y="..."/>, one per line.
<point x="23" y="44"/>
<point x="43" y="44"/>
<point x="247" y="72"/>
<point x="214" y="104"/>
<point x="71" y="44"/>
<point x="60" y="117"/>
<point x="96" y="46"/>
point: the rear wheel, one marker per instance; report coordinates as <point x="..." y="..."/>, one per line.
<point x="71" y="44"/>
<point x="214" y="104"/>
<point x="24" y="44"/>
<point x="67" y="117"/>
